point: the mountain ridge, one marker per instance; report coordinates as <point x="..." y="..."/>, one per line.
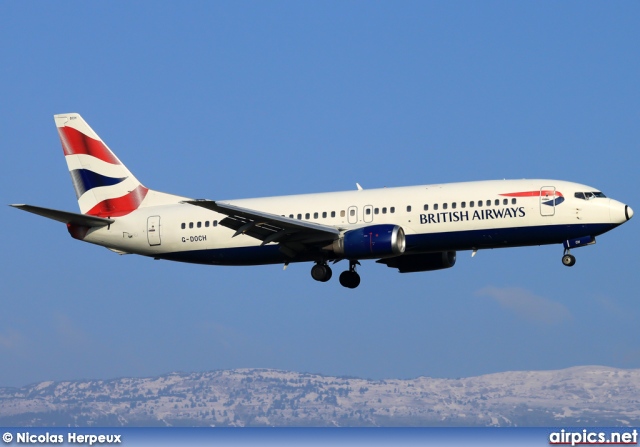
<point x="576" y="396"/>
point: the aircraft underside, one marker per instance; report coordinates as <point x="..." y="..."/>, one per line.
<point x="418" y="247"/>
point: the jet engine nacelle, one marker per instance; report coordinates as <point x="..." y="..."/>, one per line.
<point x="375" y="241"/>
<point x="422" y="262"/>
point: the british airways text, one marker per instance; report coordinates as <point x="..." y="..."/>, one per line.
<point x="462" y="216"/>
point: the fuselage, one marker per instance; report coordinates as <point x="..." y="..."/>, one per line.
<point x="435" y="218"/>
<point x="413" y="228"/>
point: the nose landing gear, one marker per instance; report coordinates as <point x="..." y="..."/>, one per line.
<point x="568" y="259"/>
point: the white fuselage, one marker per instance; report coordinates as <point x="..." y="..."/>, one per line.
<point x="454" y="216"/>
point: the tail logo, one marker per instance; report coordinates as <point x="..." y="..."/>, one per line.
<point x="104" y="186"/>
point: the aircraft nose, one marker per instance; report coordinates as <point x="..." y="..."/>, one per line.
<point x="619" y="212"/>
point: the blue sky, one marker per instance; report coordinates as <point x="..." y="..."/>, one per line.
<point x="247" y="99"/>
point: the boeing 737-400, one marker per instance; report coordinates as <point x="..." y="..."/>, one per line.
<point x="413" y="229"/>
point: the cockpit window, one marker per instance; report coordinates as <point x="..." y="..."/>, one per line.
<point x="590" y="195"/>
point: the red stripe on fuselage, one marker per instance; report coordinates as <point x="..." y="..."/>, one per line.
<point x="533" y="193"/>
<point x="75" y="142"/>
<point x="120" y="206"/>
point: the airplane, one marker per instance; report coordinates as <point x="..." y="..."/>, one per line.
<point x="413" y="228"/>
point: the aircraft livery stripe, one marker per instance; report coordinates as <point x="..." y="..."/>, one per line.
<point x="532" y="193"/>
<point x="75" y="142"/>
<point x="85" y="180"/>
<point x="120" y="206"/>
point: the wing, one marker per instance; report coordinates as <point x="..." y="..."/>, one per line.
<point x="269" y="227"/>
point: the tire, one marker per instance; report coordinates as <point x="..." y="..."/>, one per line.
<point x="321" y="272"/>
<point x="349" y="279"/>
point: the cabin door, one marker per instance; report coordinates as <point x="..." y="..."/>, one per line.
<point x="153" y="230"/>
<point x="548" y="200"/>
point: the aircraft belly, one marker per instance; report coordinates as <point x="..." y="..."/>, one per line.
<point x="502" y="237"/>
<point x="252" y="255"/>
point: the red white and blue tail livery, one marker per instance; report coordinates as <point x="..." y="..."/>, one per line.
<point x="413" y="229"/>
<point x="104" y="186"/>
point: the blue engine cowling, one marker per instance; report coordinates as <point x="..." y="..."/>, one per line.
<point x="375" y="241"/>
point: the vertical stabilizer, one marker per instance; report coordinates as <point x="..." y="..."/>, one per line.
<point x="104" y="186"/>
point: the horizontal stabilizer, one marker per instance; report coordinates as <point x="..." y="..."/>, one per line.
<point x="66" y="217"/>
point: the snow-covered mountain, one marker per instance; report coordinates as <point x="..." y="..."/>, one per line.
<point x="581" y="396"/>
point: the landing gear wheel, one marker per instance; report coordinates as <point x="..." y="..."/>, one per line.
<point x="321" y="272"/>
<point x="569" y="260"/>
<point x="349" y="279"/>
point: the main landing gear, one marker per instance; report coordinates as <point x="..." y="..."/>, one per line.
<point x="568" y="259"/>
<point x="321" y="272"/>
<point x="349" y="278"/>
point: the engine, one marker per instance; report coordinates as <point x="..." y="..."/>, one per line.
<point x="375" y="241"/>
<point x="422" y="262"/>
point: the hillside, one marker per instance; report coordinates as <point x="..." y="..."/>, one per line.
<point x="581" y="396"/>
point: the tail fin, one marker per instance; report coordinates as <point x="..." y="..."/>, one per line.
<point x="104" y="186"/>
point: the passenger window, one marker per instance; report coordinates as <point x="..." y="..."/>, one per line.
<point x="324" y="214"/>
<point x="513" y="201"/>
<point x="307" y="216"/>
<point x="463" y="204"/>
<point x="479" y="202"/>
<point x="342" y="213"/>
<point x="376" y="211"/>
<point x="199" y="224"/>
<point x="352" y="213"/>
<point x="471" y="204"/>
<point x="290" y="216"/>
<point x="408" y="208"/>
<point x="206" y="224"/>
<point x="505" y="201"/>
<point x="392" y="209"/>
<point x="497" y="202"/>
<point x="333" y="214"/>
<point x="384" y="210"/>
<point x="435" y="207"/>
<point x="183" y="226"/>
<point x="315" y="215"/>
<point x="367" y="211"/>
<point x="445" y="206"/>
<point x="190" y="224"/>
<point x="426" y="207"/>
<point x="453" y="205"/>
<point x="299" y="216"/>
<point x="215" y="223"/>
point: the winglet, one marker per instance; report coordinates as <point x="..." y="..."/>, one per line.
<point x="359" y="187"/>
